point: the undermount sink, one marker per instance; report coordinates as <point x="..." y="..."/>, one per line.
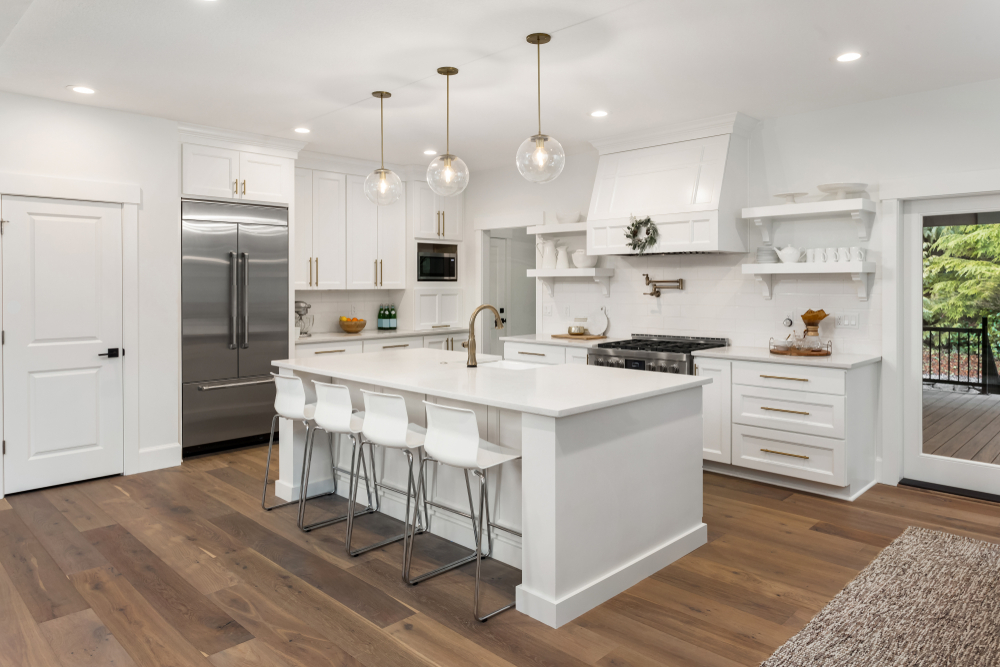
<point x="507" y="365"/>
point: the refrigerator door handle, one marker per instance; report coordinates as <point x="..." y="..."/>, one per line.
<point x="233" y="304"/>
<point x="230" y="385"/>
<point x="246" y="300"/>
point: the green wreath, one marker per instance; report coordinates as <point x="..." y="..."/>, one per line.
<point x="641" y="234"/>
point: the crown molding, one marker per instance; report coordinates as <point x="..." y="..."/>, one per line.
<point x="731" y="123"/>
<point x="350" y="165"/>
<point x="244" y="141"/>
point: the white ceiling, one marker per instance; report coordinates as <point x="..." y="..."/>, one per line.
<point x="268" y="66"/>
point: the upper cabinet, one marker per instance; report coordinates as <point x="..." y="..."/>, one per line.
<point x="223" y="173"/>
<point x="435" y="217"/>
<point x="376" y="241"/>
<point x="320" y="230"/>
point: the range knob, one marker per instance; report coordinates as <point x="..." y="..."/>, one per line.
<point x="619" y="362"/>
<point x="654" y="366"/>
<point x="672" y="369"/>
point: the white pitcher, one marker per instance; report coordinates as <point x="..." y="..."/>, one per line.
<point x="562" y="259"/>
<point x="547" y="249"/>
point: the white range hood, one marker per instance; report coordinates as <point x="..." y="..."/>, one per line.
<point x="692" y="180"/>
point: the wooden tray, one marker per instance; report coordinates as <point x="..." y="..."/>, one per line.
<point x="802" y="353"/>
<point x="578" y="337"/>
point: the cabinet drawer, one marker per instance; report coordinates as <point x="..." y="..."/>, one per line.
<point x="393" y="344"/>
<point x="310" y="349"/>
<point x="576" y="355"/>
<point x="793" y="454"/>
<point x="787" y="376"/>
<point x="787" y="410"/>
<point x="535" y="354"/>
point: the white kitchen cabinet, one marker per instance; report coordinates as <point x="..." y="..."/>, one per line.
<point x="302" y="271"/>
<point x="534" y="354"/>
<point x="576" y="355"/>
<point x="716" y="399"/>
<point x="223" y="173"/>
<point x="304" y="349"/>
<point x="392" y="245"/>
<point x="435" y="217"/>
<point x="393" y="344"/>
<point x="320" y="230"/>
<point x="437" y="308"/>
<point x="376" y="241"/>
<point x="452" y="342"/>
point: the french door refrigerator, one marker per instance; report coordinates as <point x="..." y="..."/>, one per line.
<point x="234" y="318"/>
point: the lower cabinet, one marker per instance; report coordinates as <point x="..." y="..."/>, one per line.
<point x="303" y="349"/>
<point x="452" y="342"/>
<point x="393" y="344"/>
<point x="716" y="400"/>
<point x="437" y="308"/>
<point x="534" y="354"/>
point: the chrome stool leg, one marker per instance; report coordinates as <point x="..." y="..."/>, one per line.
<point x="355" y="478"/>
<point x="304" y="485"/>
<point x="483" y="490"/>
<point x="267" y="470"/>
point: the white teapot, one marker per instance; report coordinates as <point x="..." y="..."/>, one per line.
<point x="547" y="249"/>
<point x="789" y="254"/>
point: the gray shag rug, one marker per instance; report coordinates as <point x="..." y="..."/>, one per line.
<point x="930" y="599"/>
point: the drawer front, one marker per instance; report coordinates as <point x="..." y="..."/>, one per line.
<point x="310" y="349"/>
<point x="393" y="344"/>
<point x="535" y="354"/>
<point x="792" y="454"/>
<point x="787" y="410"/>
<point x="576" y="355"/>
<point x="787" y="376"/>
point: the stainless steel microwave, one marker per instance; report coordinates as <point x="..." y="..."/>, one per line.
<point x="435" y="265"/>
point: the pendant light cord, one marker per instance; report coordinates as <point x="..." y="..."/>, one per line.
<point x="539" y="45"/>
<point x="381" y="115"/>
<point x="447" y="115"/>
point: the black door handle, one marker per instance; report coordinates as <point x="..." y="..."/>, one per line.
<point x="111" y="353"/>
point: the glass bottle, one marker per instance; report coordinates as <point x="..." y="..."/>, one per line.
<point x="392" y="317"/>
<point x="381" y="314"/>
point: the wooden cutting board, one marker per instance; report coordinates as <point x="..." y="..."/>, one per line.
<point x="572" y="337"/>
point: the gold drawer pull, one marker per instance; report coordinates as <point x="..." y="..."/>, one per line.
<point x="791" y="412"/>
<point x="778" y="377"/>
<point x="440" y="326"/>
<point x="386" y="347"/>
<point x="329" y="351"/>
<point x="797" y="456"/>
<point x="532" y="354"/>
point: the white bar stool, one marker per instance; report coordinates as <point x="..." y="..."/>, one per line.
<point x="335" y="415"/>
<point x="453" y="439"/>
<point x="386" y="424"/>
<point x="289" y="403"/>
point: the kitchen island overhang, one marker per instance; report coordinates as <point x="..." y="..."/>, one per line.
<point x="609" y="488"/>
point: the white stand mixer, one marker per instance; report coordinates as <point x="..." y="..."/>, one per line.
<point x="303" y="320"/>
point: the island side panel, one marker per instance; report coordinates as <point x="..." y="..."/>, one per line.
<point x="609" y="497"/>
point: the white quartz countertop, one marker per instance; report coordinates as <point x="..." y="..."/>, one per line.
<point x="548" y="390"/>
<point x="340" y="336"/>
<point x="835" y="360"/>
<point x="547" y="339"/>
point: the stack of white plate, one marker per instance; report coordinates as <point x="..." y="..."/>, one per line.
<point x="767" y="255"/>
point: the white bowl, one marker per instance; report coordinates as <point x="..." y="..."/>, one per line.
<point x="566" y="218"/>
<point x="582" y="260"/>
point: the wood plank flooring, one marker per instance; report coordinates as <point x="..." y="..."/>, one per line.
<point x="962" y="426"/>
<point x="181" y="567"/>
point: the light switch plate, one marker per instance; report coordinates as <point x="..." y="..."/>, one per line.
<point x="848" y="319"/>
<point x="548" y="310"/>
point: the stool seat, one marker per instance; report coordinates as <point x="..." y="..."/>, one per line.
<point x="491" y="454"/>
<point x="357" y="422"/>
<point x="309" y="410"/>
<point x="415" y="436"/>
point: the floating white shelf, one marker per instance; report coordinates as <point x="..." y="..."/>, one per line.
<point x="600" y="275"/>
<point x="862" y="272"/>
<point x="567" y="228"/>
<point x="860" y="209"/>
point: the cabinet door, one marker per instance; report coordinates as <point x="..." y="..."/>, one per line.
<point x="265" y="178"/>
<point x="576" y="355"/>
<point x="717" y="436"/>
<point x="450" y="307"/>
<point x="452" y="215"/>
<point x="209" y="172"/>
<point x="362" y="236"/>
<point x="329" y="229"/>
<point x="425" y="213"/>
<point x="302" y="271"/>
<point x="437" y="342"/>
<point x="392" y="245"/>
<point x="425" y="309"/>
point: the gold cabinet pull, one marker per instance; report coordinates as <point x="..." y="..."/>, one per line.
<point x="532" y="354"/>
<point x="437" y="228"/>
<point x="244" y="187"/>
<point x="443" y="223"/>
<point x="440" y="326"/>
<point x="779" y="377"/>
<point x="381" y="272"/>
<point x="330" y="351"/>
<point x="310" y="272"/>
<point x="317" y="272"/>
<point x="386" y="347"/>
<point x="794" y="456"/>
<point x="791" y="412"/>
<point x="236" y="186"/>
<point x="376" y="273"/>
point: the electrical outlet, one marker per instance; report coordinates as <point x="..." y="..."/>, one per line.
<point x="566" y="312"/>
<point x="849" y="319"/>
<point x="548" y="310"/>
<point x="354" y="310"/>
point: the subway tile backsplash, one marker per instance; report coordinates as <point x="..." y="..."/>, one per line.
<point x="329" y="305"/>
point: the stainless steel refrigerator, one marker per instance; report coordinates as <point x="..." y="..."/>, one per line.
<point x="234" y="319"/>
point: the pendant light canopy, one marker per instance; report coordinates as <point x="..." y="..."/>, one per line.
<point x="383" y="186"/>
<point x="447" y="175"/>
<point x="540" y="158"/>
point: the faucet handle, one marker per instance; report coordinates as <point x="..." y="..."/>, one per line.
<point x="465" y="343"/>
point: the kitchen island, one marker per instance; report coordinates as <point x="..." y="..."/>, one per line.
<point x="608" y="490"/>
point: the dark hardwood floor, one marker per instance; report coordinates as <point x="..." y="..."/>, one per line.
<point x="181" y="567"/>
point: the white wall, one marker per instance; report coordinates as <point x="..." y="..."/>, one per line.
<point x="49" y="138"/>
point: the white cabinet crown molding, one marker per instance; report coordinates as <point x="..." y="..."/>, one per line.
<point x="730" y="123"/>
<point x="243" y="141"/>
<point x="55" y="187"/>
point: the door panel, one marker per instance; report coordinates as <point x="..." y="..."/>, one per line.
<point x="362" y="236"/>
<point x="263" y="251"/>
<point x="392" y="245"/>
<point x="452" y="216"/>
<point x="263" y="178"/>
<point x="329" y="232"/>
<point x="497" y="291"/>
<point x="209" y="327"/>
<point x="426" y="217"/>
<point x="303" y="229"/>
<point x="62" y="301"/>
<point x="210" y="172"/>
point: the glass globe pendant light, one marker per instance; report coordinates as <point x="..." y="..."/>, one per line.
<point x="447" y="174"/>
<point x="540" y="158"/>
<point x="383" y="187"/>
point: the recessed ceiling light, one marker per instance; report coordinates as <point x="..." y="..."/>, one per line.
<point x="848" y="57"/>
<point x="430" y="151"/>
<point x="82" y="90"/>
<point x="598" y="113"/>
<point x="302" y="130"/>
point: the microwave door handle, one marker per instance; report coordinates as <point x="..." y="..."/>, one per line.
<point x="233" y="301"/>
<point x="246" y="300"/>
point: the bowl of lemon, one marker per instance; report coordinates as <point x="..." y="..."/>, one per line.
<point x="352" y="324"/>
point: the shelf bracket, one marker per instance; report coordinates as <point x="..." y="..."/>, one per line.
<point x="604" y="282"/>
<point x="764" y="280"/>
<point x="766" y="229"/>
<point x="549" y="284"/>
<point x="865" y="281"/>
<point x="864" y="219"/>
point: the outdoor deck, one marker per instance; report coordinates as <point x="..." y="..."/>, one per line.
<point x="962" y="425"/>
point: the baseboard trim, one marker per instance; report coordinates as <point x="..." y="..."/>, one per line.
<point x="955" y="491"/>
<point x="159" y="457"/>
<point x="556" y="613"/>
<point x="849" y="493"/>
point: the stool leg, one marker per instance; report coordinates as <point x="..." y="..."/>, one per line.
<point x="306" y="466"/>
<point x="304" y="485"/>
<point x="267" y="470"/>
<point x="483" y="490"/>
<point x="350" y="520"/>
<point x="333" y="462"/>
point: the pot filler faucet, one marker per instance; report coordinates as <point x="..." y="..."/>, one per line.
<point x="472" y="332"/>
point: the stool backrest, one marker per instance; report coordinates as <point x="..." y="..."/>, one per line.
<point x="386" y="420"/>
<point x="452" y="435"/>
<point x="290" y="399"/>
<point x="333" y="407"/>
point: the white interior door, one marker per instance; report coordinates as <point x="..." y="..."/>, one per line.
<point x="62" y="309"/>
<point x="499" y="288"/>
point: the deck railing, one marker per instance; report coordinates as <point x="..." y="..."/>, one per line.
<point x="957" y="356"/>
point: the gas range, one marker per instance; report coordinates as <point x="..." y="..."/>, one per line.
<point x="647" y="352"/>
